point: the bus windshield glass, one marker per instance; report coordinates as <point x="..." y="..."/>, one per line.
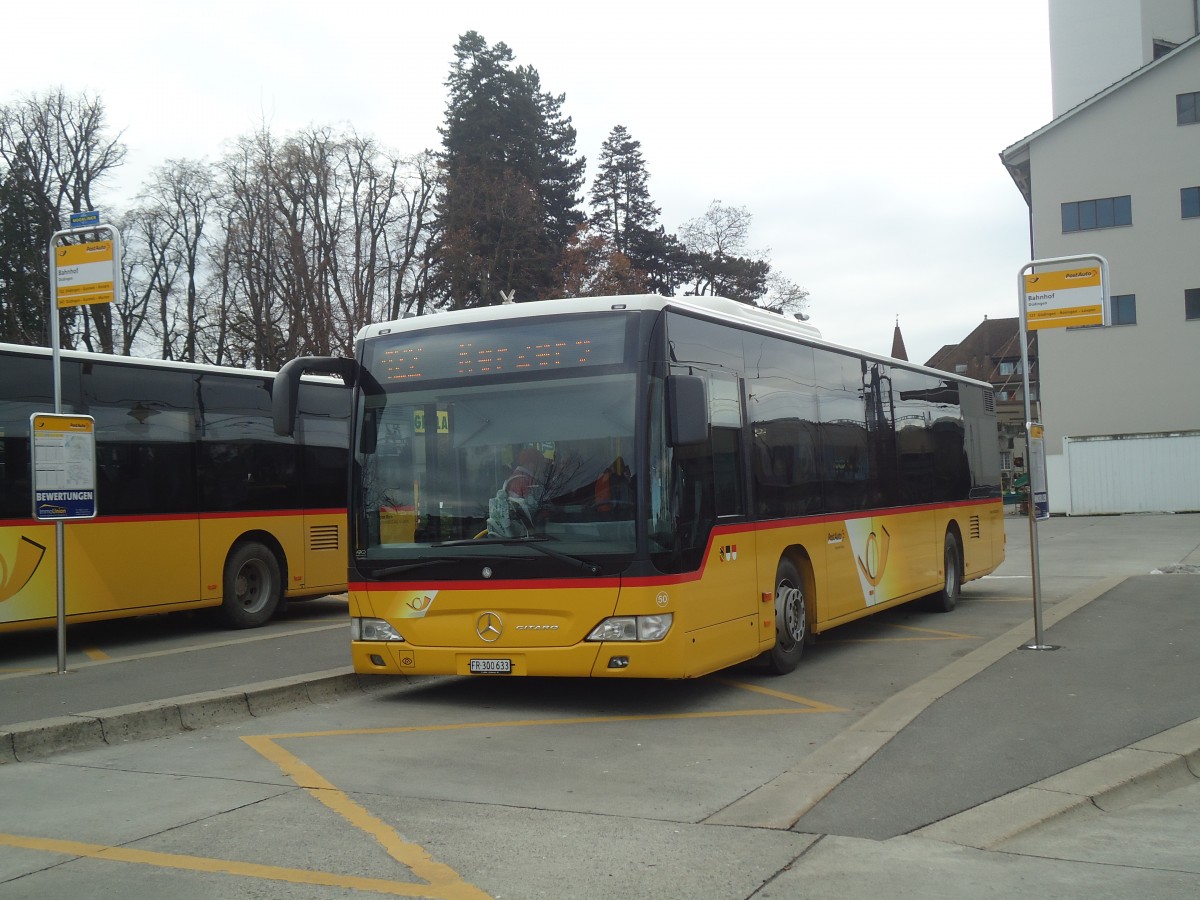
<point x="514" y="441"/>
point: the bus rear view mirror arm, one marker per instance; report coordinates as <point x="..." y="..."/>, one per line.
<point x="285" y="392"/>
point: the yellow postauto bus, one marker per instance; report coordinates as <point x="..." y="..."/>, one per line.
<point x="199" y="502"/>
<point x="646" y="487"/>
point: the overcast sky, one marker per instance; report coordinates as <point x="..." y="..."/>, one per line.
<point x="863" y="137"/>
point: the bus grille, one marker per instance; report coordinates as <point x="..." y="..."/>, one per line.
<point x="974" y="528"/>
<point x="989" y="401"/>
<point x="323" y="537"/>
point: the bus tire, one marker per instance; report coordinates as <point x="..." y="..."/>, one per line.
<point x="791" y="619"/>
<point x="947" y="598"/>
<point x="252" y="586"/>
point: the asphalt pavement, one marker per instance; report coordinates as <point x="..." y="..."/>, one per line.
<point x="1069" y="769"/>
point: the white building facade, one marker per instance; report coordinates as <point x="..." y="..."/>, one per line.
<point x="1117" y="173"/>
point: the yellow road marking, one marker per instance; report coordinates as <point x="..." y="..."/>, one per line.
<point x="203" y="864"/>
<point x="813" y="705"/>
<point x="441" y="878"/>
<point x="444" y="881"/>
<point x="927" y="634"/>
<point x="948" y="634"/>
<point x="93" y="653"/>
<point x="441" y="881"/>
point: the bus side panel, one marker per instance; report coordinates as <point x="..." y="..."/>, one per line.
<point x="718" y="614"/>
<point x="982" y="529"/>
<point x="894" y="556"/>
<point x="27" y="573"/>
<point x="719" y="611"/>
<point x="127" y="565"/>
<point x="325" y="561"/>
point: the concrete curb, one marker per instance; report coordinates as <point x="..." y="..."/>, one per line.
<point x="1143" y="770"/>
<point x="782" y="801"/>
<point x="25" y="741"/>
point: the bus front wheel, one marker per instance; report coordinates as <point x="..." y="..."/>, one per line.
<point x="791" y="619"/>
<point x="252" y="586"/>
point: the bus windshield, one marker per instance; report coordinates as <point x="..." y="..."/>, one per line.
<point x="496" y="465"/>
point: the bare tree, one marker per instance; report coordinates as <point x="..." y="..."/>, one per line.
<point x="246" y="318"/>
<point x="406" y="244"/>
<point x="322" y="233"/>
<point x="56" y="147"/>
<point x="785" y="296"/>
<point x="719" y="261"/>
<point x="165" y="254"/>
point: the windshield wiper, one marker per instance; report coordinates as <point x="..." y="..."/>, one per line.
<point x="380" y="574"/>
<point x="537" y="542"/>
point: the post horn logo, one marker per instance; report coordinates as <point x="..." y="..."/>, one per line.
<point x="29" y="557"/>
<point x="876" y="554"/>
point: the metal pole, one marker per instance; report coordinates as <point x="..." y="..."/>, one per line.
<point x="1035" y="562"/>
<point x="1033" y="540"/>
<point x="59" y="535"/>
<point x="56" y="356"/>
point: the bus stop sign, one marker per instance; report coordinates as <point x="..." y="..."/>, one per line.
<point x="64" y="466"/>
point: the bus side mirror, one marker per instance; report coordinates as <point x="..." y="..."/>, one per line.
<point x="687" y="410"/>
<point x="285" y="391"/>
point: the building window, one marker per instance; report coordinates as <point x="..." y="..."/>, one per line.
<point x="1088" y="215"/>
<point x="960" y="368"/>
<point x="1189" y="202"/>
<point x="1010" y="367"/>
<point x="1123" y="309"/>
<point x="1186" y="107"/>
<point x="1191" y="303"/>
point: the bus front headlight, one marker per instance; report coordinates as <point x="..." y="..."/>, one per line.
<point x="633" y="628"/>
<point x="373" y="630"/>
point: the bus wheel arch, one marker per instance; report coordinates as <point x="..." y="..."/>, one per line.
<point x="946" y="597"/>
<point x="252" y="581"/>
<point x="793" y="611"/>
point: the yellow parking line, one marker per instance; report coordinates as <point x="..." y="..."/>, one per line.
<point x="813" y="705"/>
<point x="926" y="634"/>
<point x="219" y="866"/>
<point x="441" y="881"/>
<point x="94" y="654"/>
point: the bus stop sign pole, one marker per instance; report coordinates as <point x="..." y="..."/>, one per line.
<point x="1054" y="297"/>
<point x="64" y="477"/>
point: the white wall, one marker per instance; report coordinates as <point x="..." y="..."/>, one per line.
<point x="1142" y="378"/>
<point x="1096" y="43"/>
<point x="1138" y="473"/>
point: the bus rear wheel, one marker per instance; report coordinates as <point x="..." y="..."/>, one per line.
<point x="791" y="619"/>
<point x="252" y="586"/>
<point x="947" y="598"/>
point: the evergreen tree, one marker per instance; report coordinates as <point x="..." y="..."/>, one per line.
<point x="24" y="273"/>
<point x="620" y="199"/>
<point x="623" y="213"/>
<point x="509" y="204"/>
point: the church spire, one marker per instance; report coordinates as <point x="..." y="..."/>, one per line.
<point x="898" y="351"/>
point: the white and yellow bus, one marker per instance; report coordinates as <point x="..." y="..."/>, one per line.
<point x="646" y="487"/>
<point x="199" y="502"/>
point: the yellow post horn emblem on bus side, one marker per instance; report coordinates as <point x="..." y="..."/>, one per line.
<point x="29" y="557"/>
<point x="876" y="557"/>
